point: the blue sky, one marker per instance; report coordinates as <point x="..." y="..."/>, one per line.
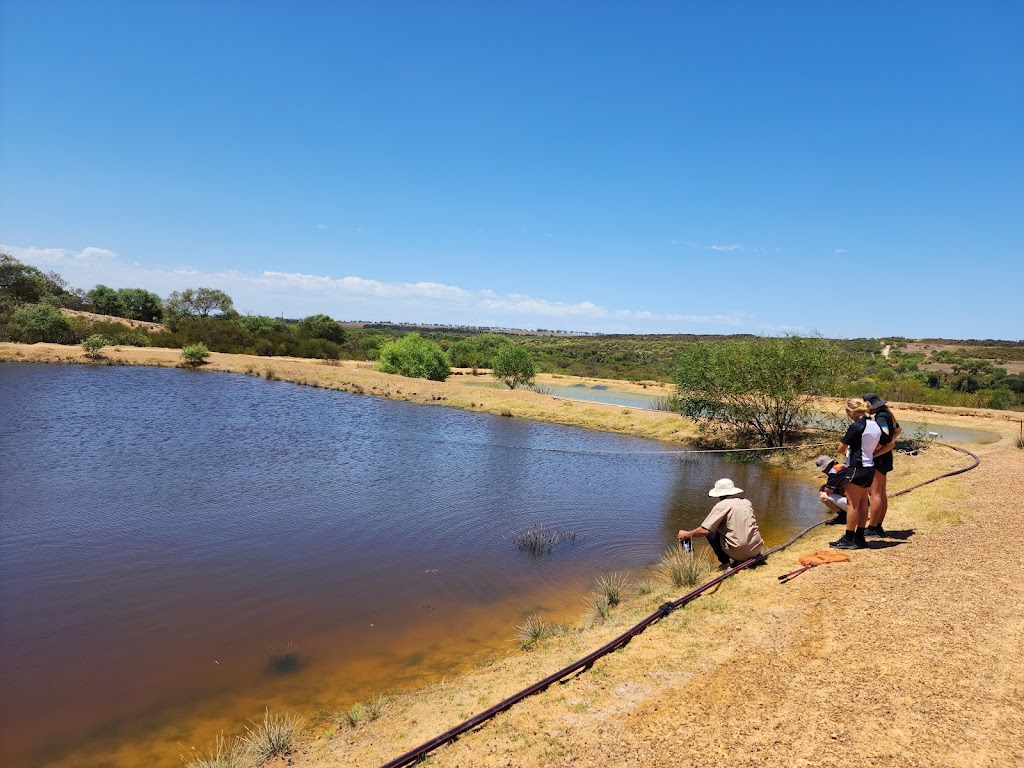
<point x="692" y="167"/>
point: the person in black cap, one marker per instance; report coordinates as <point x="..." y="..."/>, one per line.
<point x="878" y="498"/>
<point x="833" y="492"/>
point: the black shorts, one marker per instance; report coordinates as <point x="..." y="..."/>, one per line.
<point x="883" y="463"/>
<point x="860" y="476"/>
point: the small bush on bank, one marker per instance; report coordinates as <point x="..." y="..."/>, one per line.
<point x="195" y="355"/>
<point x="93" y="344"/>
<point x="415" y="357"/>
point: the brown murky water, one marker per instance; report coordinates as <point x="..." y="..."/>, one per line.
<point x="163" y="530"/>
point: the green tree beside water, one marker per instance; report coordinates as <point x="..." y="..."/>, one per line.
<point x="759" y="388"/>
<point x="416" y="357"/>
<point x="513" y="365"/>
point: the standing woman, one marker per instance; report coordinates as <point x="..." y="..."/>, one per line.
<point x="858" y="445"/>
<point x="879" y="498"/>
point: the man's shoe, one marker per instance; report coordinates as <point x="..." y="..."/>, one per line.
<point x="847" y="543"/>
<point x="724" y="567"/>
<point x="874" y="530"/>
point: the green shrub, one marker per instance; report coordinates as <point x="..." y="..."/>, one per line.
<point x="321" y="327"/>
<point x="415" y="357"/>
<point x="195" y="355"/>
<point x="513" y="365"/>
<point x="42" y="322"/>
<point x="93" y="344"/>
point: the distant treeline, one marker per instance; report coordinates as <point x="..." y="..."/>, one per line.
<point x="31" y="304"/>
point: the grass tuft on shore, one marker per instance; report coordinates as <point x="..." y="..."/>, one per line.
<point x="273" y="737"/>
<point x="682" y="569"/>
<point x="224" y="753"/>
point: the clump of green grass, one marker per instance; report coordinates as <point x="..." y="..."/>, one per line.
<point x="354" y="716"/>
<point x="611" y="586"/>
<point x="275" y="736"/>
<point x="682" y="569"/>
<point x="645" y="587"/>
<point x="533" y="630"/>
<point x="375" y="707"/>
<point x="541" y="540"/>
<point x="599" y="607"/>
<point x="285" y="661"/>
<point x="224" y="753"/>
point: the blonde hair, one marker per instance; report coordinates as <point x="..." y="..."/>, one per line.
<point x="858" y="406"/>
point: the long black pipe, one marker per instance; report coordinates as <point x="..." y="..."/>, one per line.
<point x="622" y="640"/>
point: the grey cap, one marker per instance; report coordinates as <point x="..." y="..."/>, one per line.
<point x="823" y="463"/>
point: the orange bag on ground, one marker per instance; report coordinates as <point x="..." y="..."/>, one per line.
<point x="823" y="557"/>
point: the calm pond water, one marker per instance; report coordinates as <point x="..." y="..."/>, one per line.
<point x="164" y="529"/>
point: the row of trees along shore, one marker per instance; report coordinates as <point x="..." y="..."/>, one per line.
<point x="713" y="374"/>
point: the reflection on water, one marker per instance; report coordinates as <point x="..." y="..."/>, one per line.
<point x="166" y="532"/>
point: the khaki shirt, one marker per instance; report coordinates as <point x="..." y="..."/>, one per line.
<point x="734" y="520"/>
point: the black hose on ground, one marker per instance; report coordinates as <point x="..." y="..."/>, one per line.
<point x="622" y="640"/>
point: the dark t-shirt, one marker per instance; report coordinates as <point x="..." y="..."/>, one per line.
<point x="861" y="438"/>
<point x="888" y="424"/>
<point x="836" y="480"/>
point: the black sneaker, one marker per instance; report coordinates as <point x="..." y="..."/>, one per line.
<point x="846" y="543"/>
<point x="724" y="567"/>
<point x="874" y="530"/>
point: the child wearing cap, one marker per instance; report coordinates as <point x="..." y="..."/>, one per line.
<point x="833" y="492"/>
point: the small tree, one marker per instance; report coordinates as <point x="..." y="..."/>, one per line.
<point x="415" y="357"/>
<point x="105" y="301"/>
<point x="322" y="327"/>
<point x="761" y="386"/>
<point x="513" y="365"/>
<point x="195" y="355"/>
<point x="93" y="344"/>
<point x="140" y="304"/>
<point x="197" y="302"/>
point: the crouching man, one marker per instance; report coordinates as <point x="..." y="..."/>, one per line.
<point x="731" y="529"/>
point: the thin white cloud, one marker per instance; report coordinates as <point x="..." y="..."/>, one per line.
<point x="296" y="294"/>
<point x="43" y="256"/>
<point x="322" y="226"/>
<point x="715" y="247"/>
<point x="838" y="251"/>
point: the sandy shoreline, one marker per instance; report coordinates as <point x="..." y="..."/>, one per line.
<point x="757" y="673"/>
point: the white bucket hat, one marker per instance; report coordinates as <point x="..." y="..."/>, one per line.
<point x="724" y="487"/>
